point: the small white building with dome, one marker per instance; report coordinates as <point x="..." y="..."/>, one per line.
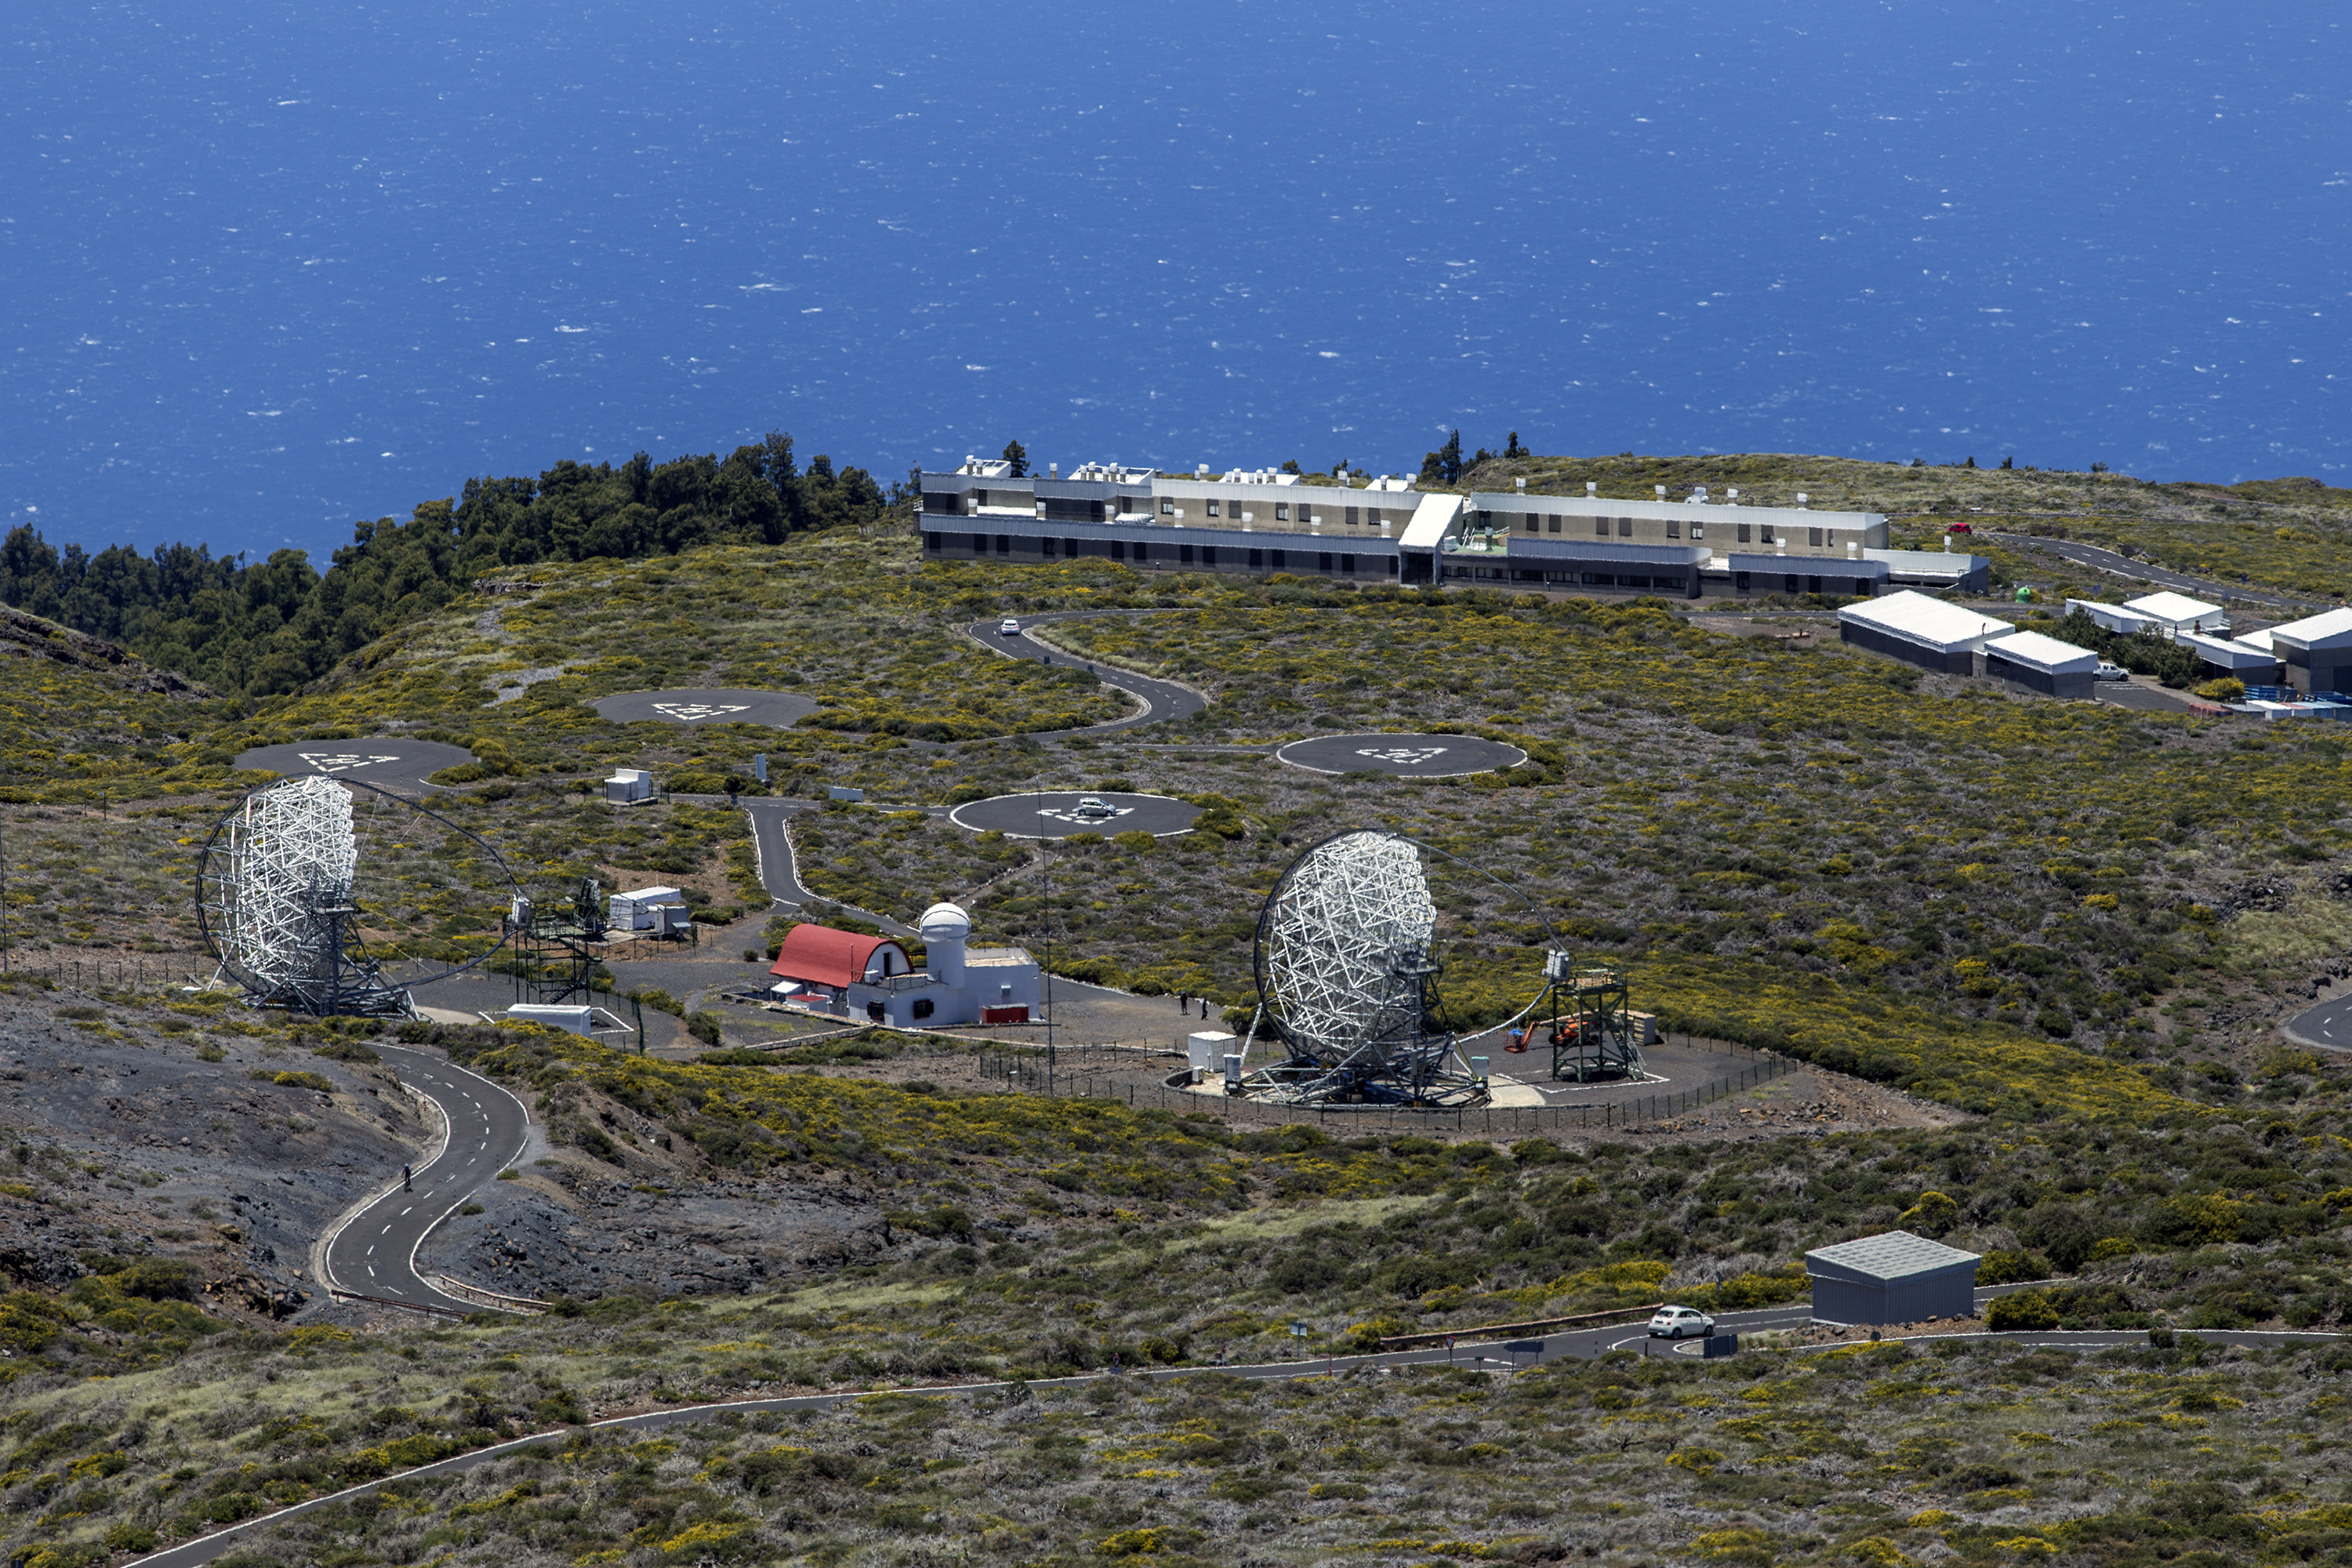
<point x="959" y="983"/>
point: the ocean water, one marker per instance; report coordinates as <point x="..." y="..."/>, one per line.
<point x="268" y="267"/>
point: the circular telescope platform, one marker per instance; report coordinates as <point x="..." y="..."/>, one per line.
<point x="385" y="761"/>
<point x="1401" y="756"/>
<point x="711" y="705"/>
<point x="1055" y="813"/>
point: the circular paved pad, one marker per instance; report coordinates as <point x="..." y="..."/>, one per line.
<point x="1054" y="813"/>
<point x="385" y="761"/>
<point x="712" y="706"/>
<point x="1405" y="756"/>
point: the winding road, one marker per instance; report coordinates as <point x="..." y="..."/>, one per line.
<point x="372" y="1250"/>
<point x="1164" y="702"/>
<point x="2100" y="560"/>
<point x="2328" y="1027"/>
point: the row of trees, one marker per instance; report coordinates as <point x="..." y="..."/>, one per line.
<point x="261" y="628"/>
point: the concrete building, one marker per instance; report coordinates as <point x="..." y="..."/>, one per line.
<point x="1257" y="522"/>
<point x="2255" y="664"/>
<point x="1247" y="522"/>
<point x="1920" y="631"/>
<point x="2028" y="661"/>
<point x="871" y="977"/>
<point x="2317" y="651"/>
<point x="1894" y="1277"/>
<point x="2174" y="612"/>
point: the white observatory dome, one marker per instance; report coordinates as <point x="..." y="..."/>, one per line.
<point x="944" y="921"/>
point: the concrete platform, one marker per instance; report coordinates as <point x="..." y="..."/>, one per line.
<point x="1054" y="813"/>
<point x="1401" y="756"/>
<point x="705" y="705"/>
<point x="1504" y="1093"/>
<point x="386" y="761"/>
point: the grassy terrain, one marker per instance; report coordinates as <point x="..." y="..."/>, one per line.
<point x="1041" y="1238"/>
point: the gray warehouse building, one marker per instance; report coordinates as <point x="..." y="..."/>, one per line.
<point x="1919" y="630"/>
<point x="1896" y="1278"/>
<point x="2317" y="651"/>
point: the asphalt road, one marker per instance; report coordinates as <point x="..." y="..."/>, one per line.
<point x="1164" y="702"/>
<point x="2090" y="555"/>
<point x="2328" y="1026"/>
<point x="1492" y="1356"/>
<point x="375" y="1253"/>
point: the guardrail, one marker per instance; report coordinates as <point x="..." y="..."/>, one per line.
<point x="1406" y="1342"/>
<point x="497" y="1301"/>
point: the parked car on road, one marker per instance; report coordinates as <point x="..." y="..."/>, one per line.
<point x="2110" y="672"/>
<point x="1677" y="1322"/>
<point x="1961" y="528"/>
<point x="1008" y="628"/>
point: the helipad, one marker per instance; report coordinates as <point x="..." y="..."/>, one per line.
<point x="1401" y="756"/>
<point x="715" y="705"/>
<point x="1058" y="813"/>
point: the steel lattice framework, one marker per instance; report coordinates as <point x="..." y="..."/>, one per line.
<point x="275" y="898"/>
<point x="1346" y="967"/>
<point x="290" y="850"/>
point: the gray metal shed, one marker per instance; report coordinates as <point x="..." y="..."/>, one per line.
<point x="1896" y="1278"/>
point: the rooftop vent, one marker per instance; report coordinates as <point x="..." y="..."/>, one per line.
<point x="1802" y="500"/>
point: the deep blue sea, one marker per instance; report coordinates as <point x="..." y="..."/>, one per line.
<point x="267" y="268"/>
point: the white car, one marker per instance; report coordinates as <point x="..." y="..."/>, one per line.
<point x="2110" y="672"/>
<point x="1094" y="805"/>
<point x="1676" y="1323"/>
<point x="1008" y="628"/>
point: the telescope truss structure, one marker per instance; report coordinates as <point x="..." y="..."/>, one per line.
<point x="1347" y="974"/>
<point x="276" y="905"/>
<point x="555" y="955"/>
<point x="1590" y="1021"/>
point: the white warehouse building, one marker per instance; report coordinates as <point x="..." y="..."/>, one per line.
<point x="1921" y="630"/>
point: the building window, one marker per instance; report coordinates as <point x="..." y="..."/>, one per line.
<point x="1168" y="509"/>
<point x="1814" y="537"/>
<point x="1551" y="523"/>
<point x="874" y="1012"/>
<point x="1074" y="547"/>
<point x="1046" y="545"/>
<point x="1764" y="532"/>
<point x="1372" y="517"/>
<point x="1739" y="582"/>
<point x="1003" y="544"/>
<point x="1351" y="517"/>
<point x="1256" y="559"/>
<point x="1624" y="528"/>
<point x="1184" y="554"/>
<point x="1674" y="529"/>
<point x="1281" y="511"/>
<point x="1212" y="509"/>
<point x="1791" y="581"/>
<point x="1743" y="533"/>
<point x="1278" y="560"/>
<point x="1306" y="514"/>
<point x="1208" y="555"/>
<point x="1119" y="550"/>
<point x="1142" y="551"/>
<point x="1528" y="522"/>
<point x="930" y="541"/>
<point x="1347" y="564"/>
<point x="922" y="1009"/>
<point x="1813" y="584"/>
<point x="1698" y="531"/>
<point x="1323" y="561"/>
<point x="1599" y="528"/>
<point x="980" y="544"/>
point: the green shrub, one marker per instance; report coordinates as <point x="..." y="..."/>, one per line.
<point x="2027" y="1311"/>
<point x="1998" y="1268"/>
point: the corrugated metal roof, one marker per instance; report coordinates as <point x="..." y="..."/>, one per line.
<point x="2038" y="652"/>
<point x="823" y="956"/>
<point x="2330" y="629"/>
<point x="1896" y="1255"/>
<point x="1932" y="622"/>
<point x="2171" y="606"/>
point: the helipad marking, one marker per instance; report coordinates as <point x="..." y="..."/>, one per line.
<point x="1072" y="814"/>
<point x="693" y="713"/>
<point x="1404" y="756"/>
<point x="339" y="761"/>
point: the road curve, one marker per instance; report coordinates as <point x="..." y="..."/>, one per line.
<point x="374" y="1251"/>
<point x="2327" y="1027"/>
<point x="1164" y="702"/>
<point x="2100" y="560"/>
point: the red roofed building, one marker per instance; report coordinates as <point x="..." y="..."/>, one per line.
<point x="819" y="957"/>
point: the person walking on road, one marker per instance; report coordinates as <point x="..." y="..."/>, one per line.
<point x="405" y="1186"/>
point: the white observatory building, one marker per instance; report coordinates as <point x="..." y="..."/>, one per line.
<point x="853" y="976"/>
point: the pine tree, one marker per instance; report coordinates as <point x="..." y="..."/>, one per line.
<point x="1018" y="456"/>
<point x="1449" y="460"/>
